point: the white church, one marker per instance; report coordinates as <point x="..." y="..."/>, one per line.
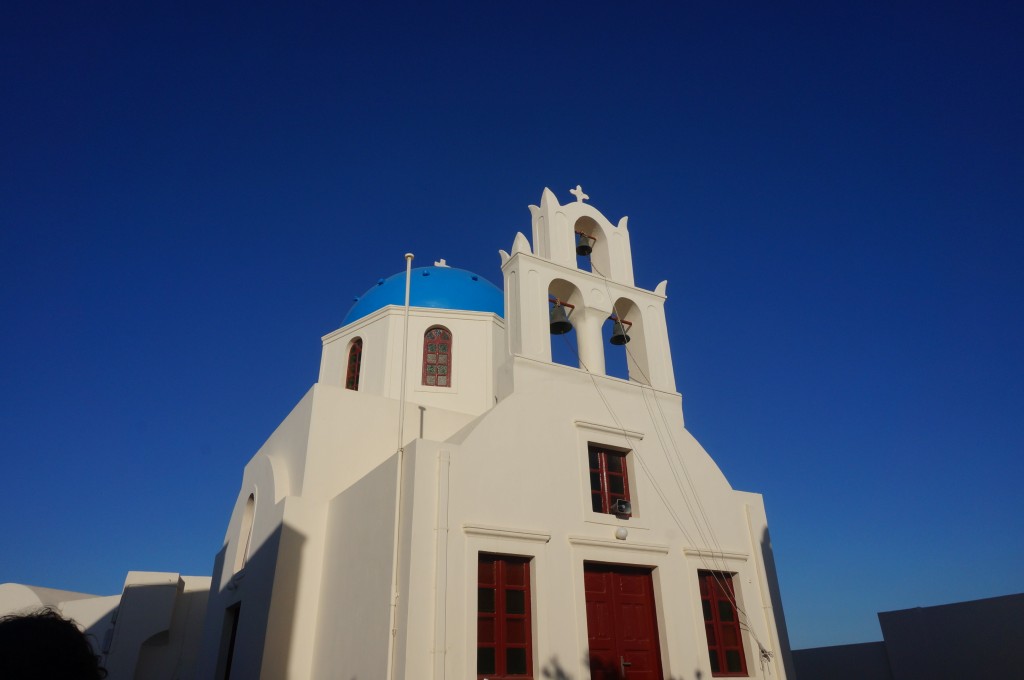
<point x="449" y="502"/>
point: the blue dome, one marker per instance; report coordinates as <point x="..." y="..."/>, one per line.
<point x="437" y="287"/>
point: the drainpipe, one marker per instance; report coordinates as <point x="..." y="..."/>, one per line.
<point x="403" y="369"/>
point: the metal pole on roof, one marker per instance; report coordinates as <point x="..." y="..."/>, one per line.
<point x="402" y="372"/>
<point x="405" y="352"/>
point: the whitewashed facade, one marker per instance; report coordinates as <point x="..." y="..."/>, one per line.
<point x="480" y="532"/>
<point x="346" y="577"/>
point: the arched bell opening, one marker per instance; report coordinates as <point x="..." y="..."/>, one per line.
<point x="564" y="310"/>
<point x="591" y="245"/>
<point x="616" y="335"/>
<point x="628" y="341"/>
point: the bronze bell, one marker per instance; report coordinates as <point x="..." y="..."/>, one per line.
<point x="559" y="320"/>
<point x="619" y="336"/>
<point x="583" y="246"/>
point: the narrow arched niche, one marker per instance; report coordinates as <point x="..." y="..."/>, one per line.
<point x="245" y="533"/>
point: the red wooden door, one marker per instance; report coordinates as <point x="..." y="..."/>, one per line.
<point x="621" y="623"/>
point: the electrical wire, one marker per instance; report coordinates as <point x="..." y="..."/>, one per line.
<point x="716" y="569"/>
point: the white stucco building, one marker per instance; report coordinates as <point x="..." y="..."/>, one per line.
<point x="518" y="517"/>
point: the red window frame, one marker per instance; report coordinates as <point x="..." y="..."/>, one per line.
<point x="609" y="479"/>
<point x="722" y="624"/>
<point x="437" y="357"/>
<point x="504" y="647"/>
<point x="355" y="362"/>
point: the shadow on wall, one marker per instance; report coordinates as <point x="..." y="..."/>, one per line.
<point x="284" y="584"/>
<point x="776" y="598"/>
<point x="252" y="615"/>
<point x="100" y="632"/>
<point x="155" y="630"/>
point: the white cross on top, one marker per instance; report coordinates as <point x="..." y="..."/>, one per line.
<point x="578" y="193"/>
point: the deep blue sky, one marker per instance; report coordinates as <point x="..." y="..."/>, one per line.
<point x="191" y="195"/>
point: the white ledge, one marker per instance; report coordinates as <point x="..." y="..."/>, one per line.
<point x="620" y="545"/>
<point x="629" y="434"/>
<point x="715" y="554"/>
<point x="505" y="532"/>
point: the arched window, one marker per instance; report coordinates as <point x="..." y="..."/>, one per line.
<point x="355" y="361"/>
<point x="437" y="357"/>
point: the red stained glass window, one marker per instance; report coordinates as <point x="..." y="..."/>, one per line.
<point x="355" y="362"/>
<point x="437" y="357"/>
<point x="504" y="647"/>
<point x="722" y="624"/>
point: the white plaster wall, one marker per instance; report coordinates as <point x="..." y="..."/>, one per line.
<point x="463" y="499"/>
<point x="472" y="390"/>
<point x="169" y="653"/>
<point x="267" y="477"/>
<point x="517" y="485"/>
<point x="146" y="611"/>
<point x="424" y="646"/>
<point x="375" y="330"/>
<point x="252" y="588"/>
<point x="352" y="629"/>
<point x="475" y="335"/>
<point x="289" y="643"/>
<point x="19" y="598"/>
<point x="92" y="614"/>
<point x="329" y="442"/>
<point x="351" y="433"/>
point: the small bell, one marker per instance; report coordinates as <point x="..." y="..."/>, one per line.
<point x="560" y="324"/>
<point x="619" y="336"/>
<point x="583" y="245"/>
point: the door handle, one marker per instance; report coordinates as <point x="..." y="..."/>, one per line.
<point x="623" y="664"/>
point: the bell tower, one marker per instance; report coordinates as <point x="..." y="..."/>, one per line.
<point x="545" y="282"/>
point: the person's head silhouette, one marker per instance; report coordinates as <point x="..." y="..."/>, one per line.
<point x="44" y="644"/>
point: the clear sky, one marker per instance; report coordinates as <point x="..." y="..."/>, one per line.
<point x="191" y="195"/>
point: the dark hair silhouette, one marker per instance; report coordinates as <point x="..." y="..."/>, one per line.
<point x="44" y="644"/>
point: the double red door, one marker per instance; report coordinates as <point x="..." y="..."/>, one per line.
<point x="621" y="623"/>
